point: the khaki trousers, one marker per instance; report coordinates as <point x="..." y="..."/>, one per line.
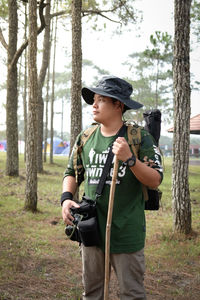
<point x="129" y="269"/>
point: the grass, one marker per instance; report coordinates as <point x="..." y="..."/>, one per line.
<point x="37" y="261"/>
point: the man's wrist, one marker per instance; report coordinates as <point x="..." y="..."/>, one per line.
<point x="66" y="196"/>
<point x="130" y="162"/>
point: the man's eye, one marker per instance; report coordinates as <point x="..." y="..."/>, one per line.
<point x="100" y="99"/>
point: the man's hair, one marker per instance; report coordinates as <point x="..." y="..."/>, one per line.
<point x="124" y="108"/>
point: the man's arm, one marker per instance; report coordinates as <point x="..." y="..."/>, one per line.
<point x="145" y="174"/>
<point x="69" y="185"/>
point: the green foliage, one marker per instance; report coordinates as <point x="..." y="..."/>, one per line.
<point x="166" y="140"/>
<point x="162" y="47"/>
<point x="89" y="4"/>
<point x="152" y="69"/>
<point x="3" y="9"/>
<point x="119" y="12"/>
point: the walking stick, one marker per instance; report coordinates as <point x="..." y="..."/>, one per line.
<point x="108" y="227"/>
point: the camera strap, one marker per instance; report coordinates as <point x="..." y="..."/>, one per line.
<point x="108" y="163"/>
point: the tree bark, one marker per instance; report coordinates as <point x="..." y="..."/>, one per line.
<point x="76" y="107"/>
<point x="12" y="162"/>
<point x="53" y="92"/>
<point x="18" y="53"/>
<point x="41" y="79"/>
<point x="25" y="84"/>
<point x="31" y="158"/>
<point x="46" y="117"/>
<point x="181" y="76"/>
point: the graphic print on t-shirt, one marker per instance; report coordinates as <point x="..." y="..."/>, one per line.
<point x="95" y="165"/>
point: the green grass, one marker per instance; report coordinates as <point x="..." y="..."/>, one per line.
<point x="37" y="261"/>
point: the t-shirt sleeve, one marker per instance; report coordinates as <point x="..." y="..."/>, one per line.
<point x="149" y="152"/>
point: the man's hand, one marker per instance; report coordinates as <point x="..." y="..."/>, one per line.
<point x="121" y="149"/>
<point x="66" y="214"/>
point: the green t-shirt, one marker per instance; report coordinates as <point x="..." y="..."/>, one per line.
<point x="128" y="220"/>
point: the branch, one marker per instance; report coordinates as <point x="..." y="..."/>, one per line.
<point x="96" y="11"/>
<point x="60" y="13"/>
<point x="100" y="14"/>
<point x="2" y="39"/>
<point x="42" y="5"/>
<point x="87" y="12"/>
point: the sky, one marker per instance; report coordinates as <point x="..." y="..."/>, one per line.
<point x="109" y="51"/>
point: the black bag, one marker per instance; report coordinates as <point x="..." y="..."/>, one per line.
<point x="85" y="225"/>
<point x="153" y="123"/>
<point x="153" y="126"/>
<point x="89" y="232"/>
<point x="154" y="197"/>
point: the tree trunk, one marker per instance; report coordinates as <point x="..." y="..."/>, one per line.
<point x="31" y="158"/>
<point x="12" y="162"/>
<point x="53" y="91"/>
<point x="181" y="76"/>
<point x="76" y="108"/>
<point x="46" y="118"/>
<point x="25" y="85"/>
<point x="41" y="79"/>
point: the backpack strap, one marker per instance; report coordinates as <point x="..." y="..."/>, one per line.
<point x="78" y="167"/>
<point x="87" y="133"/>
<point x="134" y="140"/>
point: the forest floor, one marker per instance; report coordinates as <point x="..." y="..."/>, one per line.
<point x="37" y="261"/>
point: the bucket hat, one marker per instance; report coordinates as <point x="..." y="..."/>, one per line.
<point x="114" y="87"/>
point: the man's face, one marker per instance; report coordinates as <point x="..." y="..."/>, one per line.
<point x="103" y="108"/>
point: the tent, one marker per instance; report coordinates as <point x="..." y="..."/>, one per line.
<point x="67" y="149"/>
<point x="58" y="145"/>
<point x="3" y="145"/>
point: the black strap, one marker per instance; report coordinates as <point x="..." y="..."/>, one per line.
<point x="108" y="163"/>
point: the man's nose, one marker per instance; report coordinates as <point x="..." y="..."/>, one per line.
<point x="94" y="103"/>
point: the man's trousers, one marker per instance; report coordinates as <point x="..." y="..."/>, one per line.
<point x="129" y="269"/>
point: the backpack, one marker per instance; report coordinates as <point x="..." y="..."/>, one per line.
<point x="153" y="124"/>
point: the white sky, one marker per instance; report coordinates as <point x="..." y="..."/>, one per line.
<point x="109" y="51"/>
<point x="112" y="51"/>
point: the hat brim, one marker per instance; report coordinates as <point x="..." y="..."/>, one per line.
<point x="88" y="96"/>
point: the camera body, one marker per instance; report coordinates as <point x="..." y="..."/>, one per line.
<point x="69" y="229"/>
<point x="86" y="211"/>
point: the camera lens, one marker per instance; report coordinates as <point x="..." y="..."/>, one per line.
<point x="68" y="230"/>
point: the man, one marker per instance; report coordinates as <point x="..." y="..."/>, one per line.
<point x="110" y="99"/>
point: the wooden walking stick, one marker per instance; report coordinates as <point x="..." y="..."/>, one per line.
<point x="108" y="227"/>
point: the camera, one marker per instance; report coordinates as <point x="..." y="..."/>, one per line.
<point x="69" y="229"/>
<point x="86" y="210"/>
<point x="85" y="227"/>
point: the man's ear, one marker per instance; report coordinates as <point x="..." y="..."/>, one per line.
<point x="121" y="106"/>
